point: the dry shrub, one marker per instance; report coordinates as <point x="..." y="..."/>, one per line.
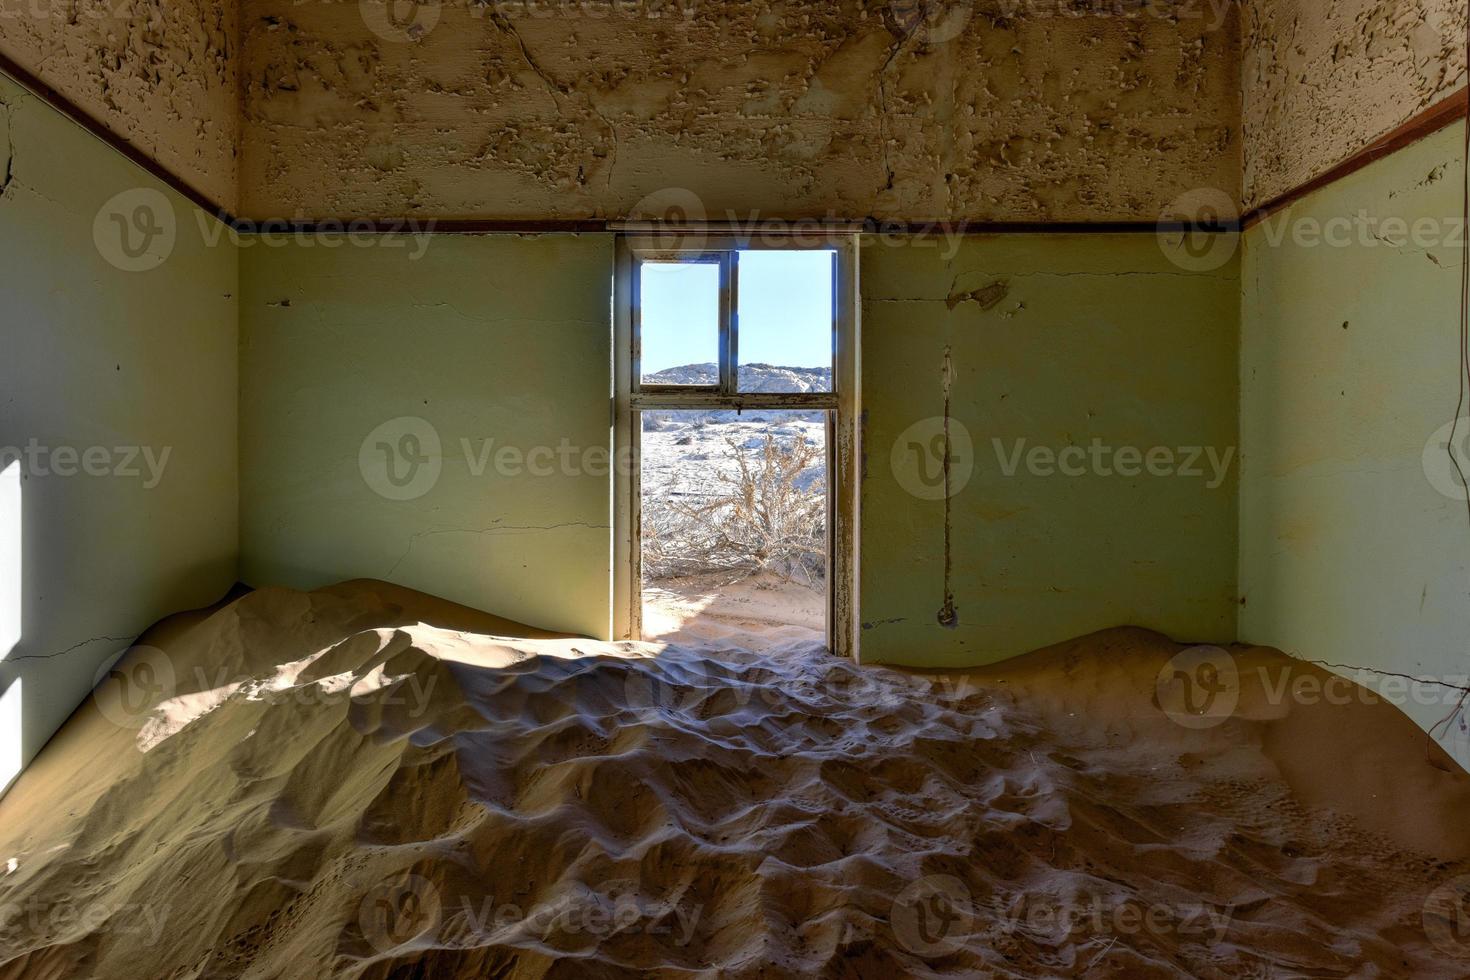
<point x="764" y="521"/>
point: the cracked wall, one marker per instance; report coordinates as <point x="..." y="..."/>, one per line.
<point x="1323" y="80"/>
<point x="459" y="368"/>
<point x="161" y="74"/>
<point x="1353" y="519"/>
<point x="113" y="349"/>
<point x="1026" y="352"/>
<point x="584" y="109"/>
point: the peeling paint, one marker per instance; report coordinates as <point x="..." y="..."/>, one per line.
<point x="7" y="151"/>
<point x="279" y="109"/>
<point x="161" y="74"/>
<point x="949" y="616"/>
<point x="802" y="110"/>
<point x="987" y="296"/>
<point x="1321" y="81"/>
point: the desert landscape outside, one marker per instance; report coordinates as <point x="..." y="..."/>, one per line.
<point x="735" y="500"/>
<point x="735" y="518"/>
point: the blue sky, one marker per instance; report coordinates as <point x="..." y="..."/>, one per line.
<point x="785" y="311"/>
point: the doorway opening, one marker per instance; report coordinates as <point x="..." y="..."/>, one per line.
<point x="730" y="399"/>
<point x="734" y="530"/>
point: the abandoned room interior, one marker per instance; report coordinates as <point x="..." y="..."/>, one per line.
<point x="764" y="489"/>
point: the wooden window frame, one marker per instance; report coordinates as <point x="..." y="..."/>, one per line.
<point x="631" y="397"/>
<point x="724" y="324"/>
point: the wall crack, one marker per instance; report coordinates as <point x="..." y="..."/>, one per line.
<point x="1389" y="673"/>
<point x="74" y="647"/>
<point x="949" y="616"/>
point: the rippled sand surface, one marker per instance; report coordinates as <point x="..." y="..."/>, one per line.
<point x="367" y="782"/>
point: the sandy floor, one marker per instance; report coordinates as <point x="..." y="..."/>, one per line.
<point x="760" y="613"/>
<point x="363" y="782"/>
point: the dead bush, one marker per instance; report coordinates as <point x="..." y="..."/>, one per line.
<point x="766" y="520"/>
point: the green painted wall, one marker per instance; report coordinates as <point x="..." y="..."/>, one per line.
<point x="97" y="364"/>
<point x="358" y="355"/>
<point x="1349" y="552"/>
<point x="1094" y="388"/>
<point x="1085" y="338"/>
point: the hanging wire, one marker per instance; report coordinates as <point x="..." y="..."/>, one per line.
<point x="1463" y="369"/>
<point x="1464" y="323"/>
<point x="1463" y="326"/>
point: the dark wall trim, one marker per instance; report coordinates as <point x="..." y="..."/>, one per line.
<point x="415" y="225"/>
<point x="875" y="226"/>
<point x="763" y="227"/>
<point x="1444" y="113"/>
<point x="85" y="120"/>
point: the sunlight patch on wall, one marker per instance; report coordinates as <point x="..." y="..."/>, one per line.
<point x="10" y="558"/>
<point x="10" y="735"/>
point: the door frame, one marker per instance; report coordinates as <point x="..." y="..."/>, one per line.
<point x="843" y="406"/>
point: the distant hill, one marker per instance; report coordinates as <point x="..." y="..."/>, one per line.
<point x="759" y="378"/>
<point x="753" y="378"/>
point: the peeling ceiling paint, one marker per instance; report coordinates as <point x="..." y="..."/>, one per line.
<point x="1322" y="80"/>
<point x="161" y="74"/>
<point x="796" y="110"/>
<point x="985" y="110"/>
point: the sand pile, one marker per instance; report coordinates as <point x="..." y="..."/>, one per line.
<point x="350" y="783"/>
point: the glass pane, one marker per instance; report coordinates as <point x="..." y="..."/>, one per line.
<point x="734" y="527"/>
<point x="785" y="307"/>
<point x="680" y="323"/>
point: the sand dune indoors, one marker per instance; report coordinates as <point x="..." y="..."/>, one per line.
<point x="365" y="782"/>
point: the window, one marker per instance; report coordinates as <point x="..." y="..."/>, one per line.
<point x="734" y="515"/>
<point x="786" y="320"/>
<point x="681" y="313"/>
